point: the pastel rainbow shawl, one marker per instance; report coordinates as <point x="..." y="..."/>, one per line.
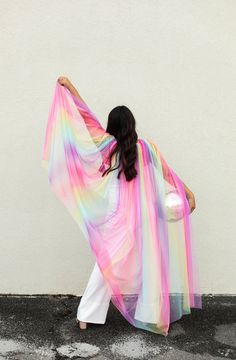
<point x="147" y="259"/>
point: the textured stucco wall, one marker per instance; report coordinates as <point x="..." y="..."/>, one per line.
<point x="173" y="63"/>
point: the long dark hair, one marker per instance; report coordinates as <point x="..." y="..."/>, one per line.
<point x="121" y="124"/>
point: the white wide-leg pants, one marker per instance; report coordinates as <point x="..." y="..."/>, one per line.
<point x="94" y="304"/>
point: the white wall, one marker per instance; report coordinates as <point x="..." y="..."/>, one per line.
<point x="173" y="63"/>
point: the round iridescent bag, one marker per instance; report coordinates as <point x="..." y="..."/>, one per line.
<point x="174" y="206"/>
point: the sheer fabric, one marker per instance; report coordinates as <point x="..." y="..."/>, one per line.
<point x="143" y="245"/>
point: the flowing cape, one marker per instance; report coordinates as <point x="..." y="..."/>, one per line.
<point x="146" y="255"/>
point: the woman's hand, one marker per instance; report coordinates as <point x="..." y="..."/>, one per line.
<point x="190" y="197"/>
<point x="64" y="81"/>
<point x="191" y="202"/>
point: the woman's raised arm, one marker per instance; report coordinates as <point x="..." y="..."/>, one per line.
<point x="95" y="128"/>
<point x="68" y="84"/>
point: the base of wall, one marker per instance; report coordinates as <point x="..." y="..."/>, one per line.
<point x="221" y="296"/>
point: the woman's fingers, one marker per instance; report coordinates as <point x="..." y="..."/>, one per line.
<point x="192" y="203"/>
<point x="63" y="80"/>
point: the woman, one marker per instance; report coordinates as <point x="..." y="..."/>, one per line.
<point x="132" y="208"/>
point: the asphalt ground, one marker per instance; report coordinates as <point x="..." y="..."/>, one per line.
<point x="44" y="327"/>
